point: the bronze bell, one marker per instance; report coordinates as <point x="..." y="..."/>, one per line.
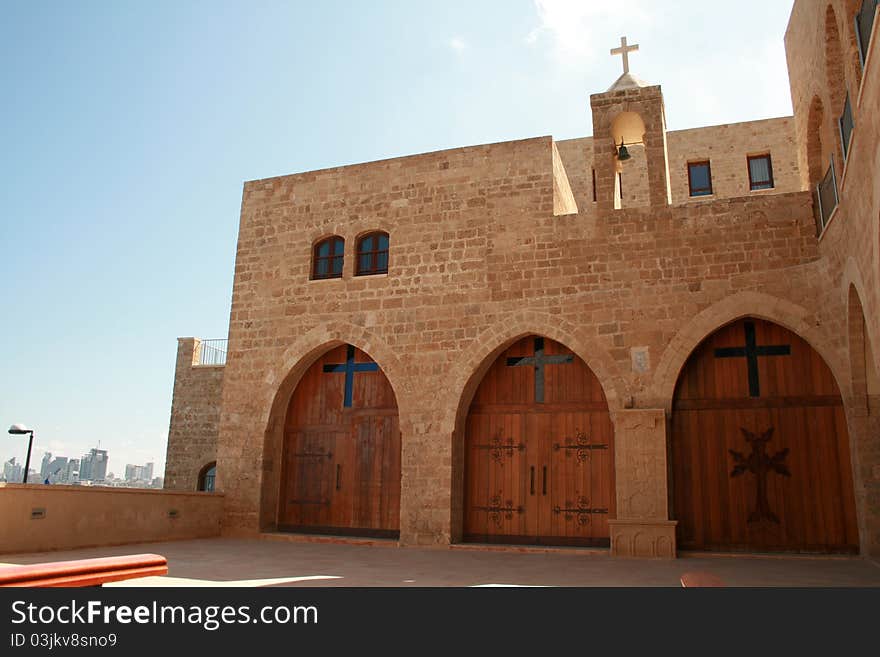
<point x="622" y="153"/>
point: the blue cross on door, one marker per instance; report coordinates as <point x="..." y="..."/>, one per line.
<point x="350" y="367"/>
<point x="539" y="361"/>
<point x="751" y="352"/>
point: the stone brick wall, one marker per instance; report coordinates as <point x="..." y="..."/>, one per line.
<point x="195" y="417"/>
<point x="478" y="259"/>
<point x="486" y="247"/>
<point x="823" y="66"/>
<point x="89" y="516"/>
<point x="727" y="148"/>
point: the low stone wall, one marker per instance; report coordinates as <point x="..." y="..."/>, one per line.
<point x="37" y="518"/>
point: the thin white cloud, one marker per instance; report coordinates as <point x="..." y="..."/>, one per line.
<point x="578" y="30"/>
<point x="457" y="44"/>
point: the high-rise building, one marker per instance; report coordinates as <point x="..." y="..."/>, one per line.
<point x="44" y="467"/>
<point x="12" y="471"/>
<point x="71" y="472"/>
<point x="55" y="472"/>
<point x="93" y="466"/>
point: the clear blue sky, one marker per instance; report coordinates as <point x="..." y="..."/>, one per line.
<point x="128" y="129"/>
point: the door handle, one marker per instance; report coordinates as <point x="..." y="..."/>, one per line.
<point x="532" y="480"/>
<point x="544" y="482"/>
<point x="338" y="477"/>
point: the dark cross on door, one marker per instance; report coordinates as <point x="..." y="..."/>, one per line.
<point x="539" y="361"/>
<point x="751" y="352"/>
<point x="350" y="367"/>
<point x="760" y="465"/>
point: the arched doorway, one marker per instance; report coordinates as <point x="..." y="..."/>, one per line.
<point x="760" y="451"/>
<point x="341" y="468"/>
<point x="206" y="477"/>
<point x="539" y="451"/>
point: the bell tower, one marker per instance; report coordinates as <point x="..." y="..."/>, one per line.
<point x="629" y="142"/>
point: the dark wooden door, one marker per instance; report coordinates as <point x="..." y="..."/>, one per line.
<point x="342" y="450"/>
<point x="539" y="450"/>
<point x="760" y="451"/>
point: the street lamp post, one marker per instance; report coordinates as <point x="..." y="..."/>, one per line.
<point x="19" y="430"/>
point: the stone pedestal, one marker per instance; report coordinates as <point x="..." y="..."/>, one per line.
<point x="642" y="527"/>
<point x="645" y="539"/>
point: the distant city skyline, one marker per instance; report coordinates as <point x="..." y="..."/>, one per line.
<point x="91" y="466"/>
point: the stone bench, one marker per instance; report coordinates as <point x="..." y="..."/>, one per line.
<point x="84" y="572"/>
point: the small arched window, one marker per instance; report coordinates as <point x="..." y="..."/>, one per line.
<point x="327" y="261"/>
<point x="372" y="254"/>
<point x="206" y="477"/>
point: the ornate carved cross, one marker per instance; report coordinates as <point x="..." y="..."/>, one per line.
<point x="625" y="50"/>
<point x="760" y="465"/>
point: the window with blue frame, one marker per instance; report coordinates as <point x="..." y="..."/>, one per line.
<point x="700" y="178"/>
<point x="328" y="258"/>
<point x="372" y="254"/>
<point x="760" y="172"/>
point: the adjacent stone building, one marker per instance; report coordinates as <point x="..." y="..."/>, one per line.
<point x="643" y="340"/>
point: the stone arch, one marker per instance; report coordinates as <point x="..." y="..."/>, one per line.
<point x="857" y="340"/>
<point x="205" y="479"/>
<point x="281" y="381"/>
<point x="835" y="80"/>
<point x="743" y="304"/>
<point x="631" y="176"/>
<point x="488" y="345"/>
<point x="479" y="356"/>
<point x="851" y="9"/>
<point x="722" y="418"/>
<point x="816" y="161"/>
<point x="864" y="366"/>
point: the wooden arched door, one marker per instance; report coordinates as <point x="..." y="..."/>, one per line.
<point x="342" y="450"/>
<point x="539" y="451"/>
<point x="760" y="453"/>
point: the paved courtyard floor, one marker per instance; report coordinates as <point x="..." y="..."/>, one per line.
<point x="261" y="562"/>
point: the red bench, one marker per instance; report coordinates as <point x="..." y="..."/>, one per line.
<point x="700" y="580"/>
<point x="84" y="572"/>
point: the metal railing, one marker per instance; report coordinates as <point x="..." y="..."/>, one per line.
<point x="864" y="26"/>
<point x="212" y="352"/>
<point x="826" y="192"/>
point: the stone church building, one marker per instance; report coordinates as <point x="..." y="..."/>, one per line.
<point x="645" y="340"/>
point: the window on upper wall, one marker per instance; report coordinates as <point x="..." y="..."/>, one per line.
<point x="700" y="178"/>
<point x="760" y="172"/>
<point x="328" y="257"/>
<point x="846" y="127"/>
<point x="372" y="254"/>
<point x="826" y="193"/>
<point x="864" y="26"/>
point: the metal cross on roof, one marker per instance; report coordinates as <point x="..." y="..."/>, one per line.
<point x="625" y="50"/>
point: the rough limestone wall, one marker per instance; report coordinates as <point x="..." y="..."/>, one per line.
<point x="850" y="244"/>
<point x="195" y="417"/>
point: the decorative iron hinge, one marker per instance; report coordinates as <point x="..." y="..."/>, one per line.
<point x="580" y="445"/>
<point x="498" y="449"/>
<point x="499" y="510"/>
<point x="583" y="511"/>
<point x="314" y="455"/>
<point x="314" y="502"/>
